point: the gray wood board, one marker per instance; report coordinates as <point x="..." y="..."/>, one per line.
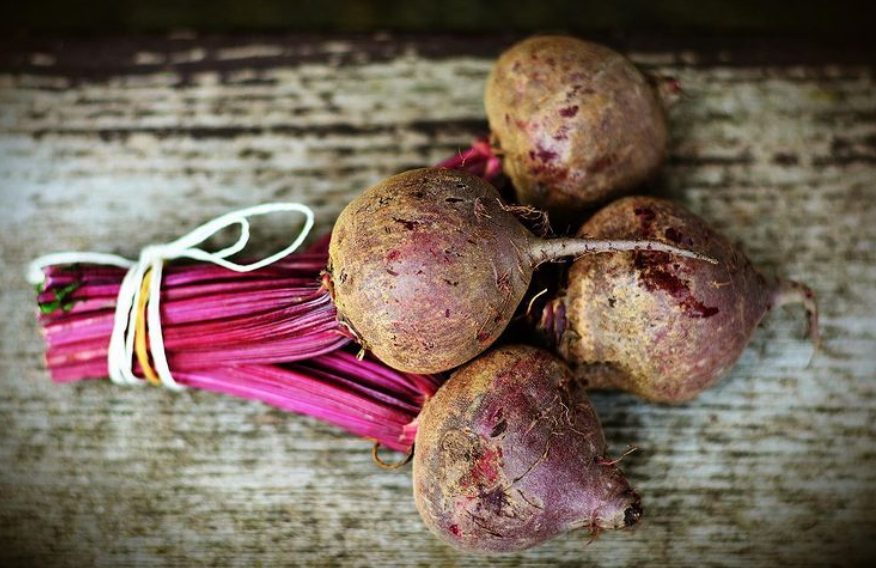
<point x="777" y="464"/>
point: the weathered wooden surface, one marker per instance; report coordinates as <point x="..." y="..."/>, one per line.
<point x="112" y="145"/>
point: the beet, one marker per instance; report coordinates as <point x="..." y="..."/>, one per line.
<point x="510" y="454"/>
<point x="427" y="267"/>
<point x="575" y="123"/>
<point x="660" y="327"/>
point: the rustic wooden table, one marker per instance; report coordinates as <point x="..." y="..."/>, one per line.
<point x="112" y="144"/>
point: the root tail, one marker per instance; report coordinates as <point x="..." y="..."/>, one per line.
<point x="668" y="90"/>
<point x="789" y="292"/>
<point x="375" y="455"/>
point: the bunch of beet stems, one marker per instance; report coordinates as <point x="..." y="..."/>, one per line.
<point x="270" y="335"/>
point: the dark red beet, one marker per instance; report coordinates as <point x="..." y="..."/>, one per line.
<point x="575" y="123"/>
<point x="663" y="328"/>
<point x="429" y="266"/>
<point x="510" y="454"/>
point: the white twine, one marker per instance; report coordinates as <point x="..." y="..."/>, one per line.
<point x="152" y="258"/>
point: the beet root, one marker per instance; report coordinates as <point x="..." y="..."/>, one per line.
<point x="662" y="328"/>
<point x="574" y="122"/>
<point x="509" y="454"/>
<point x="427" y="267"/>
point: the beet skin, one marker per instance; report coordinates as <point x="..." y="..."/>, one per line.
<point x="428" y="266"/>
<point x="510" y="454"/>
<point x="426" y="269"/>
<point x="574" y="122"/>
<point x="660" y="327"/>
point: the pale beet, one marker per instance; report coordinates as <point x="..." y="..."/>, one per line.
<point x="661" y="327"/>
<point x="509" y="454"/>
<point x="427" y="267"/>
<point x="574" y="123"/>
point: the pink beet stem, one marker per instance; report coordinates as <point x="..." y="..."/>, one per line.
<point x="478" y="159"/>
<point x="229" y="333"/>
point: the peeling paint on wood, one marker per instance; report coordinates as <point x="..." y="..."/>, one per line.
<point x="775" y="465"/>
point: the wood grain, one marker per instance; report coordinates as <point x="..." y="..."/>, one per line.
<point x="109" y="145"/>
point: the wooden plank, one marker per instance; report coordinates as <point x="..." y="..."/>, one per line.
<point x="831" y="19"/>
<point x="775" y="465"/>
